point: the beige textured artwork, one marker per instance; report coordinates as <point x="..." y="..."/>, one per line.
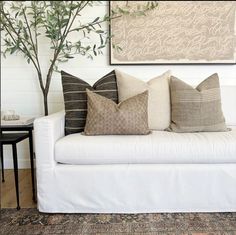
<point x="176" y="32"/>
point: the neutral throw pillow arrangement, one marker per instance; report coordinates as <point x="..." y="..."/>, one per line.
<point x="75" y="98"/>
<point x="105" y="117"/>
<point x="158" y="100"/>
<point x="162" y="103"/>
<point x="199" y="109"/>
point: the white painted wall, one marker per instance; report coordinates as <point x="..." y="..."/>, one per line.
<point x="20" y="88"/>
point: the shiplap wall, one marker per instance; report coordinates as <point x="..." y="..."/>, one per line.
<point x="21" y="92"/>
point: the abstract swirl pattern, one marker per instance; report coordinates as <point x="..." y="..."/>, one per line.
<point x="177" y="32"/>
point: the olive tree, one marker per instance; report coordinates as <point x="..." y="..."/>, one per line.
<point x="25" y="22"/>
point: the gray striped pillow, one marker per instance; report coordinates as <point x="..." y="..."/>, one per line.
<point x="75" y="98"/>
<point x="195" y="110"/>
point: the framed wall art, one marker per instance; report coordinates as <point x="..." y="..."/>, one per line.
<point x="176" y="32"/>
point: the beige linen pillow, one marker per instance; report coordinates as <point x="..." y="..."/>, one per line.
<point x="195" y="110"/>
<point x="158" y="96"/>
<point x="105" y="117"/>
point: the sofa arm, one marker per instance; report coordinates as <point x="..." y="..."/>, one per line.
<point x="47" y="131"/>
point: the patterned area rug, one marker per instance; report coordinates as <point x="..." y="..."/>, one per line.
<point x="31" y="222"/>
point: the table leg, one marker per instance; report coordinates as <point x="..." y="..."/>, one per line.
<point x="32" y="163"/>
<point x="2" y="162"/>
<point x="16" y="174"/>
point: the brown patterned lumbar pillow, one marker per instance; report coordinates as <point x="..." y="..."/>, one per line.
<point x="195" y="110"/>
<point x="105" y="117"/>
<point x="75" y="98"/>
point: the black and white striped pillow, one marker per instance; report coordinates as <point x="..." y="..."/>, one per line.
<point x="75" y="98"/>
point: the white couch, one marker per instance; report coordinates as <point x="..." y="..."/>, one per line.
<point x="160" y="172"/>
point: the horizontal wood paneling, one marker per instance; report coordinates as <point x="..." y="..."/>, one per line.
<point x="21" y="92"/>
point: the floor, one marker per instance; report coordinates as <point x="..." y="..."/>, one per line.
<point x="8" y="193"/>
<point x="30" y="221"/>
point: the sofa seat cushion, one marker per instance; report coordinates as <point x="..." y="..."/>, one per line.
<point x="160" y="147"/>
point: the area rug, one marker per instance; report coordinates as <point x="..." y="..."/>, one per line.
<point x="31" y="222"/>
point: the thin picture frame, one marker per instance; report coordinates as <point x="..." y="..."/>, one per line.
<point x="112" y="62"/>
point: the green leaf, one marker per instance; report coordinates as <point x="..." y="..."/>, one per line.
<point x="69" y="57"/>
<point x="74" y="6"/>
<point x="64" y="22"/>
<point x="88" y="48"/>
<point x="16" y="14"/>
<point x="13" y="49"/>
<point x="100" y="47"/>
<point x="90" y="25"/>
<point x="94" y="50"/>
<point x="20" y="23"/>
<point x="99" y="31"/>
<point x="96" y="19"/>
<point x="101" y="39"/>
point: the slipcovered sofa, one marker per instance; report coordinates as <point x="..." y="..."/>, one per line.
<point x="160" y="172"/>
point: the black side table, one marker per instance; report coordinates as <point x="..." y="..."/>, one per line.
<point x="13" y="139"/>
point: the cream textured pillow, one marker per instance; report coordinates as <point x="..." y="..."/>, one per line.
<point x="105" y="117"/>
<point x="195" y="110"/>
<point x="158" y="96"/>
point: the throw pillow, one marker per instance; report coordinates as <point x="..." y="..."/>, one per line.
<point x="105" y="117"/>
<point x="158" y="96"/>
<point x="75" y="98"/>
<point x="195" y="110"/>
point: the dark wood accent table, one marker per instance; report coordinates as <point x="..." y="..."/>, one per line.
<point x="13" y="139"/>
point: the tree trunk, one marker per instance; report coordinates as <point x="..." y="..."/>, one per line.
<point x="45" y="93"/>
<point x="46" y="89"/>
<point x="45" y="102"/>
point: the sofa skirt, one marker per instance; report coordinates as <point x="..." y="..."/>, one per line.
<point x="137" y="188"/>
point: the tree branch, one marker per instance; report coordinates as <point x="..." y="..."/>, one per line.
<point x="36" y="49"/>
<point x="35" y="26"/>
<point x="29" y="31"/>
<point x="68" y="18"/>
<point x="95" y="23"/>
<point x="24" y="50"/>
<point x="31" y="39"/>
<point x="65" y="33"/>
<point x="19" y="38"/>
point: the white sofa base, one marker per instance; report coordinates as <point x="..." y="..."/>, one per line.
<point x="137" y="188"/>
<point x="126" y="188"/>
